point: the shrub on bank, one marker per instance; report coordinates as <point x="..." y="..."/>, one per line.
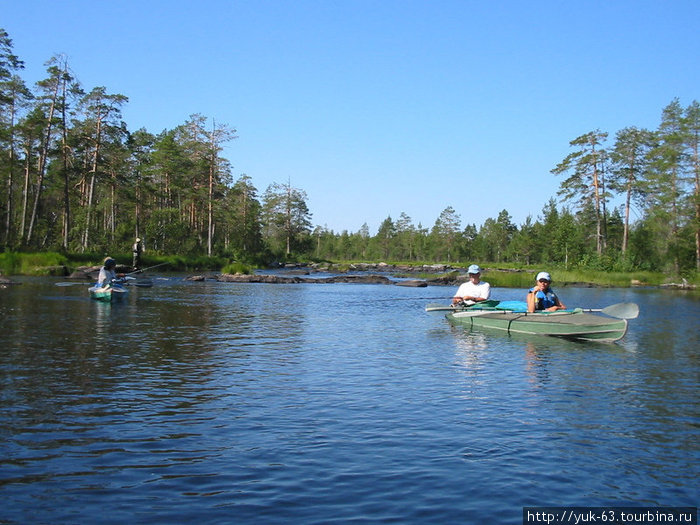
<point x="236" y="268"/>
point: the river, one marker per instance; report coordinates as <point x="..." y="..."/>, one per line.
<point x="206" y="402"/>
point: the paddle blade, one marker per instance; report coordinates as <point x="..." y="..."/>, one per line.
<point x="622" y="310"/>
<point x="435" y="307"/>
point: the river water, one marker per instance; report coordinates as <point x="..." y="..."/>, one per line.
<point x="317" y="403"/>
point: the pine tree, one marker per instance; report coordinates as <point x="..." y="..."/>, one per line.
<point x="629" y="169"/>
<point x="585" y="182"/>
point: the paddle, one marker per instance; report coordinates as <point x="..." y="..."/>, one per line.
<point x="619" y="310"/>
<point x="434" y="307"/>
<point x="125" y="279"/>
<point x="133" y="281"/>
<point x="125" y="276"/>
<point x="149" y="268"/>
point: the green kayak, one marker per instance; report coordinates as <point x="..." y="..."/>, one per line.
<point x="574" y="324"/>
<point x="107" y="293"/>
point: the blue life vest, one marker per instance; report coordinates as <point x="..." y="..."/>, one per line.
<point x="544" y="300"/>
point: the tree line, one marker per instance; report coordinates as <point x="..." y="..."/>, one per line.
<point x="76" y="179"/>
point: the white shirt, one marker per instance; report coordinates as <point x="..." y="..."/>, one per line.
<point x="482" y="290"/>
<point x="106" y="277"/>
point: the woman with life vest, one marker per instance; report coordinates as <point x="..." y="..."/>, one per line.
<point x="542" y="298"/>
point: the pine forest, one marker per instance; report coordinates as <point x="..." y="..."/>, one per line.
<point x="75" y="178"/>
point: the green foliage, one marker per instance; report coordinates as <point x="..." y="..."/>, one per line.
<point x="525" y="278"/>
<point x="9" y="263"/>
<point x="31" y="263"/>
<point x="521" y="279"/>
<point x="181" y="263"/>
<point x="236" y="268"/>
<point x="563" y="277"/>
<point x="606" y="278"/>
<point x="608" y="262"/>
<point x="287" y="218"/>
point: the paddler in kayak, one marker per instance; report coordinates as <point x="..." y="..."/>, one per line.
<point x="107" y="275"/>
<point x="542" y="297"/>
<point x="474" y="290"/>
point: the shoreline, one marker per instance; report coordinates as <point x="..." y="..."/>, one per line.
<point x="419" y="275"/>
<point x="298" y="275"/>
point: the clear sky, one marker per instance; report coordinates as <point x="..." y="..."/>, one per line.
<point x="377" y="107"/>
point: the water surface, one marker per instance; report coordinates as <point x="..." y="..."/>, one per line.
<point x="314" y="403"/>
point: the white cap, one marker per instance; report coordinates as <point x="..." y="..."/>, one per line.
<point x="544" y="275"/>
<point x="474" y="268"/>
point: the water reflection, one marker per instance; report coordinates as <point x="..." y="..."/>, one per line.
<point x="536" y="365"/>
<point x="469" y="350"/>
<point x="103" y="320"/>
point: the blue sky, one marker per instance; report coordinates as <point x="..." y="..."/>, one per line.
<point x="374" y="108"/>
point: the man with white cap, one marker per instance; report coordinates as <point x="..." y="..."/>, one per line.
<point x="474" y="290"/>
<point x="542" y="297"/>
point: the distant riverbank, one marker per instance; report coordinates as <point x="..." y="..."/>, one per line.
<point x="443" y="275"/>
<point x="501" y="275"/>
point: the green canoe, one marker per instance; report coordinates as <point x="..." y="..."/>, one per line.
<point x="575" y="324"/>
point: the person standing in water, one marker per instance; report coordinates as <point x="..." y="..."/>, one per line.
<point x="137" y="250"/>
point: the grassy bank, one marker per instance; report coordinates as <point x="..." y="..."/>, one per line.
<point x="46" y="263"/>
<point x="517" y="276"/>
<point x="526" y="278"/>
<point x="53" y="263"/>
